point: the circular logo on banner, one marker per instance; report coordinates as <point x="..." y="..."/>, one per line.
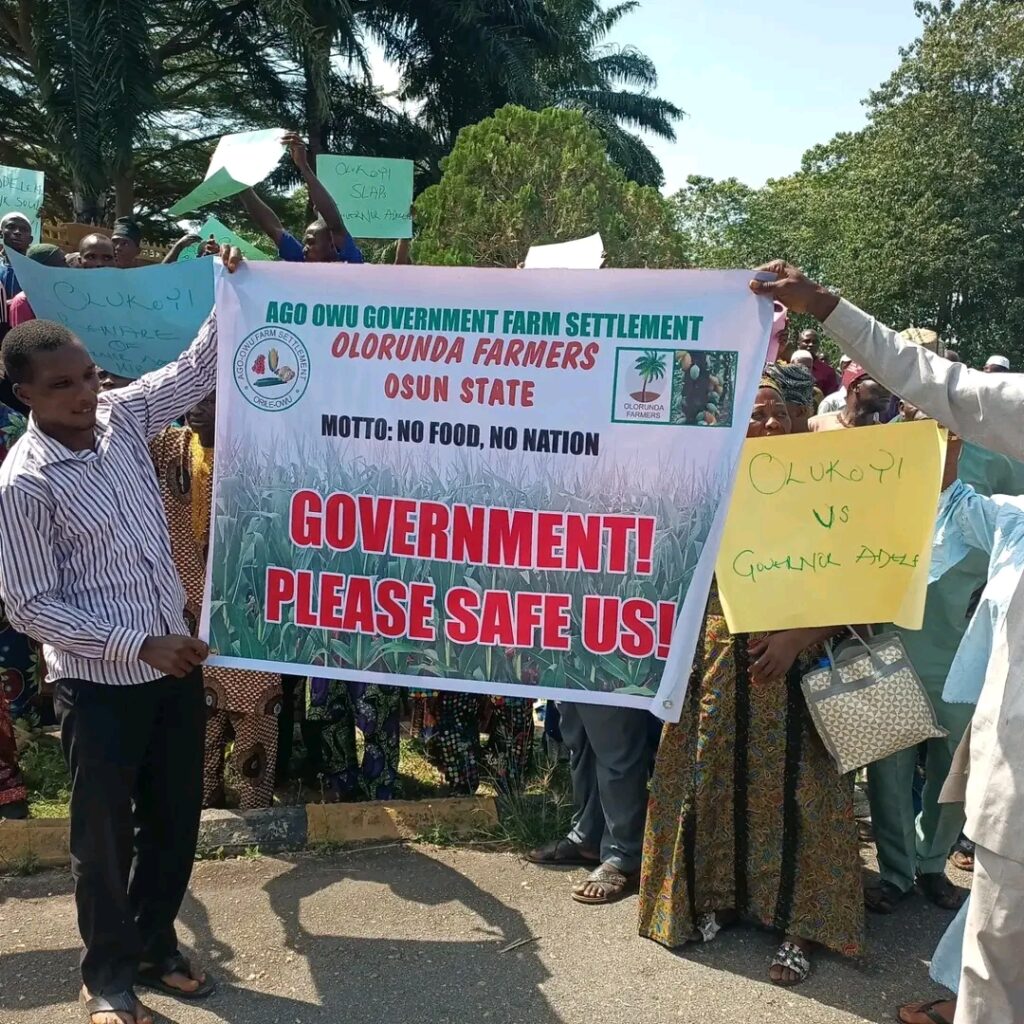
<point x="272" y="369"/>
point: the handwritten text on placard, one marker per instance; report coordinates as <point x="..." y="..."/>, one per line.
<point x="832" y="528"/>
<point x="374" y="195"/>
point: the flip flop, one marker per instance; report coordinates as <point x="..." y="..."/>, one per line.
<point x="928" y="1009"/>
<point x="615" y="885"/>
<point x="562" y="852"/>
<point x="119" y="1002"/>
<point x="152" y="976"/>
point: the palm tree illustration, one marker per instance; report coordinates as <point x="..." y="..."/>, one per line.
<point x="650" y="366"/>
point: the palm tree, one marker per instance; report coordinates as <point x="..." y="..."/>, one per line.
<point x="610" y="85"/>
<point x="92" y="92"/>
<point x="460" y="60"/>
<point x="650" y="366"/>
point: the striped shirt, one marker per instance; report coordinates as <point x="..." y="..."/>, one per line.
<point x="85" y="557"/>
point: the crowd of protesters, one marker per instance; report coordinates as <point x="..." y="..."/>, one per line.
<point x="734" y="815"/>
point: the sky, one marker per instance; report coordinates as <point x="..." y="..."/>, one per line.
<point x="760" y="82"/>
<point x="763" y="82"/>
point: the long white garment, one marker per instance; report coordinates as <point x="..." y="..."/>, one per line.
<point x="989" y="410"/>
<point x="992" y="980"/>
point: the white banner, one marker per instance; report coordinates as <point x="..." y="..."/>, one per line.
<point x="481" y="480"/>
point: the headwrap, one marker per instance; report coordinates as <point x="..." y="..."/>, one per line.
<point x="768" y="382"/>
<point x="852" y="374"/>
<point x="126" y="227"/>
<point x="794" y="383"/>
<point x="47" y="254"/>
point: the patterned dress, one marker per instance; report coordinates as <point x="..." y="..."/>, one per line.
<point x="338" y="707"/>
<point x="241" y="705"/>
<point x="21" y="668"/>
<point x="508" y="722"/>
<point x="747" y="811"/>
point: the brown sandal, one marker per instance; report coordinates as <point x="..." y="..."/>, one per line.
<point x="926" y="1009"/>
<point x="613" y="884"/>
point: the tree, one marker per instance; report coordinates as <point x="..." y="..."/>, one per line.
<point x="523" y="178"/>
<point x="602" y="80"/>
<point x="919" y="217"/>
<point x="94" y="92"/>
<point x="650" y="366"/>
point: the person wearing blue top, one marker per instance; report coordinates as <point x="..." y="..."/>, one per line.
<point x="16" y="232"/>
<point x="325" y="240"/>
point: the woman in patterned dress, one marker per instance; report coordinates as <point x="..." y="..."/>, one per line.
<point x="241" y="706"/>
<point x="748" y="817"/>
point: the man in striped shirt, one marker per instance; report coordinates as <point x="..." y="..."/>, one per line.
<point x="86" y="568"/>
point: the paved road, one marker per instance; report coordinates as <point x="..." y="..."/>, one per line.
<point x="412" y="935"/>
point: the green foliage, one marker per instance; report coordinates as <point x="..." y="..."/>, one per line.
<point x="522" y="178"/>
<point x="46" y="777"/>
<point x="119" y="102"/>
<point x="918" y="217"/>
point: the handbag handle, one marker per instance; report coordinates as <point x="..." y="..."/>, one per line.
<point x="876" y="662"/>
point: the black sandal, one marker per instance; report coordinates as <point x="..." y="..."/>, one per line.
<point x="119" y="1002"/>
<point x="562" y="853"/>
<point x="884" y="898"/>
<point x="152" y="976"/>
<point x="940" y="890"/>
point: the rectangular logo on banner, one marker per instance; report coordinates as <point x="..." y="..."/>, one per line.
<point x="832" y="528"/>
<point x="421" y="478"/>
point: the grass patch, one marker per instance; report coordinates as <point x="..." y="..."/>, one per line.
<point x="540" y="813"/>
<point x="46" y="776"/>
<point x="22" y="866"/>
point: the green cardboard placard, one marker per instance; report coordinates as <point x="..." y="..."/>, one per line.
<point x="373" y="194"/>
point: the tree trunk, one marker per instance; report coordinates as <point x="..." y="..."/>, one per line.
<point x="313" y="111"/>
<point x="89" y="206"/>
<point x="124" y="194"/>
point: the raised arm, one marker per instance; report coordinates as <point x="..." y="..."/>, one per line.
<point x="159" y="398"/>
<point x="980" y="407"/>
<point x="262" y="215"/>
<point x="175" y="251"/>
<point x="29" y="582"/>
<point x="319" y="197"/>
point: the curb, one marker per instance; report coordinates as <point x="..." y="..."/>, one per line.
<point x="43" y="842"/>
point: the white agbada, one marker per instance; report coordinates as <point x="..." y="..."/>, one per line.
<point x="989" y="410"/>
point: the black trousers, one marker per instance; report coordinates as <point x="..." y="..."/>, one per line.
<point x="136" y="759"/>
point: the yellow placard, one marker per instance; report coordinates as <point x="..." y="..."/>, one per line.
<point x="832" y="528"/>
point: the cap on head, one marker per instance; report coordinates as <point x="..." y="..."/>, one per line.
<point x="127" y="227"/>
<point x="14" y="215"/>
<point x="801" y="357"/>
<point x="1000" y="362"/>
<point x="47" y="254"/>
<point x="853" y="373"/>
